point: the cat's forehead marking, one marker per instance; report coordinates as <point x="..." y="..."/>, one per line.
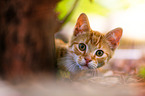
<point x="99" y="40"/>
<point x="94" y="39"/>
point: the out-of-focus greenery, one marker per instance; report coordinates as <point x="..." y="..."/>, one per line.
<point x="142" y="72"/>
<point x="83" y="6"/>
<point x="100" y="7"/>
<point x="63" y="7"/>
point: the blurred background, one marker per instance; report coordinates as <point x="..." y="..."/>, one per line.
<point x="105" y="15"/>
<point x="32" y="51"/>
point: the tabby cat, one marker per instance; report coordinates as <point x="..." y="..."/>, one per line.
<point x="87" y="49"/>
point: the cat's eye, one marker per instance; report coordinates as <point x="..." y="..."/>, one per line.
<point x="99" y="53"/>
<point x="82" y="46"/>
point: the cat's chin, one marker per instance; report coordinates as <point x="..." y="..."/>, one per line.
<point x="84" y="68"/>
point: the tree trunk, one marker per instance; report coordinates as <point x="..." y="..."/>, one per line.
<point x="27" y="30"/>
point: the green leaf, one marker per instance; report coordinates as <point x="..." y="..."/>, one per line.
<point x="63" y="7"/>
<point x="84" y="6"/>
<point x="142" y="72"/>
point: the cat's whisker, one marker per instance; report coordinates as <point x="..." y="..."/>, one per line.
<point x="73" y="68"/>
<point x="93" y="72"/>
<point x="94" y="47"/>
<point x="96" y="72"/>
<point x="69" y="67"/>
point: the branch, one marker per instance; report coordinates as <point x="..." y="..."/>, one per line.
<point x="68" y="15"/>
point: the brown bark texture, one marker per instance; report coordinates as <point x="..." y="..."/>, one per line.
<point x="27" y="30"/>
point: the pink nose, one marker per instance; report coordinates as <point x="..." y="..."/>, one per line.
<point x="87" y="60"/>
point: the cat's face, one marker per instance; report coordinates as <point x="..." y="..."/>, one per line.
<point x="90" y="49"/>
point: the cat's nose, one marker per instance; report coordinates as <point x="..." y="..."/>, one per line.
<point x="87" y="60"/>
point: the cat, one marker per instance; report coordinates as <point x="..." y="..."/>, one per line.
<point x="87" y="49"/>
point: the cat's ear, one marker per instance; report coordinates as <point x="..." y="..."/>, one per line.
<point x="82" y="25"/>
<point x="114" y="37"/>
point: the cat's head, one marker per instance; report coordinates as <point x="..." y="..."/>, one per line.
<point x="90" y="49"/>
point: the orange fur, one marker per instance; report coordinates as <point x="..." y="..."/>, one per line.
<point x="93" y="41"/>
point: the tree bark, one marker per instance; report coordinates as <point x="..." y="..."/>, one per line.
<point x="27" y="30"/>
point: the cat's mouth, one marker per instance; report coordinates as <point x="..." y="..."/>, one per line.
<point x="84" y="67"/>
<point x="89" y="66"/>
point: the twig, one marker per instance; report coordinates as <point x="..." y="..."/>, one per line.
<point x="68" y="15"/>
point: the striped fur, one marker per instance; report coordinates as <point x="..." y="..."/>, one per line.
<point x="74" y="59"/>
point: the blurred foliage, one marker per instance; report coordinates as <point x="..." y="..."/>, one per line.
<point x="100" y="7"/>
<point x="83" y="6"/>
<point x="63" y="8"/>
<point x="142" y="72"/>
